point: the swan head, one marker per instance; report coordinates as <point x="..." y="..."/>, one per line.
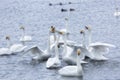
<point x="88" y="28"/>
<point x="82" y="32"/>
<point x="52" y="29"/>
<point x="22" y="28"/>
<point x="78" y="51"/>
<point x="7" y="37"/>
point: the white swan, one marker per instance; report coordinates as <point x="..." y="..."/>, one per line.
<point x="41" y="55"/>
<point x="24" y="38"/>
<point x="65" y="30"/>
<point x="54" y="62"/>
<point x="72" y="70"/>
<point x="15" y="48"/>
<point x="97" y="49"/>
<point x="6" y="51"/>
<point x="117" y="13"/>
<point x="69" y="51"/>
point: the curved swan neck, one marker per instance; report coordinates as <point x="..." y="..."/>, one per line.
<point x="56" y="47"/>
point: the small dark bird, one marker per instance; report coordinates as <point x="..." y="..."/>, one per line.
<point x="71" y="9"/>
<point x="69" y="2"/>
<point x="50" y="4"/>
<point x="60" y="4"/>
<point x="63" y="10"/>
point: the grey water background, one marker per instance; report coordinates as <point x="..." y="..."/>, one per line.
<point x="37" y="16"/>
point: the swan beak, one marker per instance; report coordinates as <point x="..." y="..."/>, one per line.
<point x="23" y="28"/>
<point x="7" y="37"/>
<point x="61" y="32"/>
<point x="87" y="28"/>
<point x="78" y="51"/>
<point x="52" y="29"/>
<point x="82" y="31"/>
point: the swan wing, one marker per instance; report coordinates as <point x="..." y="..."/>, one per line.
<point x="50" y="62"/>
<point x="4" y="51"/>
<point x="99" y="44"/>
<point x="17" y="48"/>
<point x="34" y="49"/>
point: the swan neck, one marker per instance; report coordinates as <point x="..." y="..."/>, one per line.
<point x="56" y="47"/>
<point x="49" y="44"/>
<point x="8" y="43"/>
<point x="78" y="63"/>
<point x="66" y="26"/>
<point x="54" y="37"/>
<point x="23" y="33"/>
<point x="83" y="41"/>
<point x="89" y="37"/>
<point x="65" y="44"/>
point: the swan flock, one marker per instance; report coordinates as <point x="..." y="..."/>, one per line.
<point x="61" y="49"/>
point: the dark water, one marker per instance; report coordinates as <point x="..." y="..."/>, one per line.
<point x="37" y="16"/>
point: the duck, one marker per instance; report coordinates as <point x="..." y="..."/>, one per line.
<point x="72" y="70"/>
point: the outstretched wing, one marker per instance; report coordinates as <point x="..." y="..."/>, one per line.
<point x="34" y="49"/>
<point x="101" y="47"/>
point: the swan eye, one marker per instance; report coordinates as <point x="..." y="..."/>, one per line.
<point x="78" y="51"/>
<point x="7" y="38"/>
<point x="22" y="28"/>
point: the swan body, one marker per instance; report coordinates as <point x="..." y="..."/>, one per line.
<point x="54" y="62"/>
<point x="5" y="51"/>
<point x="25" y="38"/>
<point x="40" y="54"/>
<point x="72" y="70"/>
<point x="17" y="48"/>
<point x="117" y="14"/>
